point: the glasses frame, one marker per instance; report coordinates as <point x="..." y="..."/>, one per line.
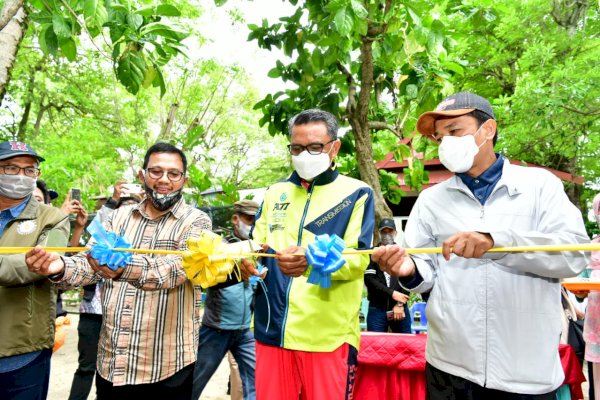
<point x="35" y="174"/>
<point x="154" y="174"/>
<point x="303" y="148"/>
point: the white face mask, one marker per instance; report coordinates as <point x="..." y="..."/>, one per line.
<point x="243" y="229"/>
<point x="387" y="238"/>
<point x="457" y="153"/>
<point x="16" y="186"/>
<point x="308" y="166"/>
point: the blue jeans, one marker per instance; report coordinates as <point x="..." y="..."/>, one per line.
<point x="29" y="382"/>
<point x="377" y="321"/>
<point x="214" y="344"/>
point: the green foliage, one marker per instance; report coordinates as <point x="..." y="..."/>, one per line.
<point x="142" y="40"/>
<point x="543" y="80"/>
<point x="411" y="68"/>
<point x="389" y="186"/>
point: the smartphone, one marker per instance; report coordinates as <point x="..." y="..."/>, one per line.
<point x="130" y="188"/>
<point x="76" y="194"/>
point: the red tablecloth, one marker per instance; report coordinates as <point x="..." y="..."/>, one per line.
<point x="392" y="366"/>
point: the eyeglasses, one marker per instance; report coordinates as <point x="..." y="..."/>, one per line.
<point x="312" y="148"/>
<point x="157" y="173"/>
<point x="14" y="170"/>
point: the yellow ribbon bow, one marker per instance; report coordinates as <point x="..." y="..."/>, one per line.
<point x="201" y="265"/>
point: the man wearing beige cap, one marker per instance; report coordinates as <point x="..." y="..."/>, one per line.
<point x="494" y="319"/>
<point x="226" y="321"/>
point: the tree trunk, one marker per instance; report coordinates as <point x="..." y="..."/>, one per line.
<point x="573" y="190"/>
<point x="362" y="135"/>
<point x="13" y="24"/>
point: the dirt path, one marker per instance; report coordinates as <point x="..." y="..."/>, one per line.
<point x="64" y="364"/>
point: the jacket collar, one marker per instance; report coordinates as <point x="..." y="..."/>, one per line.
<point x="325" y="178"/>
<point x="31" y="209"/>
<point x="509" y="180"/>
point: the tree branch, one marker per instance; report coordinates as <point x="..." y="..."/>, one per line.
<point x="381" y="126"/>
<point x="592" y="112"/>
<point x="351" y="104"/>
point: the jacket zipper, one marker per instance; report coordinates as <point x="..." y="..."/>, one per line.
<point x="481" y="216"/>
<point x="487" y="346"/>
<point x="287" y="292"/>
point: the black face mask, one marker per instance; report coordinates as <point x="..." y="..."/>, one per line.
<point x="162" y="202"/>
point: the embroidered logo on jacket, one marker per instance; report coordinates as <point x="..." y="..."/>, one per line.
<point x="26" y="227"/>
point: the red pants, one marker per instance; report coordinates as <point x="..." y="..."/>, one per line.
<point x="292" y="374"/>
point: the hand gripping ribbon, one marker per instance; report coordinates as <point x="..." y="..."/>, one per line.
<point x="325" y="257"/>
<point x="103" y="251"/>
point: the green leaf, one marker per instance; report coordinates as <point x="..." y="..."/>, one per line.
<point x="159" y="81"/>
<point x="149" y="76"/>
<point x="274" y="73"/>
<point x="157" y="28"/>
<point x="168" y="10"/>
<point x="431" y="151"/>
<point x="359" y="9"/>
<point x="411" y="45"/>
<point x="48" y="40"/>
<point x="95" y="12"/>
<point x="130" y="71"/>
<point x="135" y="21"/>
<point x="343" y="22"/>
<point x="317" y="59"/>
<point x="412" y="91"/>
<point x="61" y="26"/>
<point x="402" y="152"/>
<point x="69" y="48"/>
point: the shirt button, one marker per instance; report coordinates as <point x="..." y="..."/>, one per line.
<point x="476" y="180"/>
<point x="479" y="197"/>
<point x="127" y="307"/>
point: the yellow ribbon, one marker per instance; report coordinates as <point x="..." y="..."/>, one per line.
<point x="200" y="264"/>
<point x="208" y="262"/>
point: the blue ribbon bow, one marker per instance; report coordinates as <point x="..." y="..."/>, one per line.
<point x="103" y="251"/>
<point x="325" y="257"/>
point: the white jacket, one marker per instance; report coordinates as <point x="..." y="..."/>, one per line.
<point x="497" y="321"/>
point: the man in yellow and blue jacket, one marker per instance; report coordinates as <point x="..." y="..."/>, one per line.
<point x="307" y="336"/>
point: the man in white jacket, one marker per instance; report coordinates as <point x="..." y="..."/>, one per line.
<point x="494" y="319"/>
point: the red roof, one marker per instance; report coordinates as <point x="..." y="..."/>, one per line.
<point x="438" y="173"/>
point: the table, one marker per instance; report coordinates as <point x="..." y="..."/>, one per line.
<point x="392" y="366"/>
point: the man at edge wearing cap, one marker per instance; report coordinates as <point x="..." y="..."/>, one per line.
<point x="28" y="300"/>
<point x="494" y="319"/>
<point x="226" y="320"/>
<point x="388" y="308"/>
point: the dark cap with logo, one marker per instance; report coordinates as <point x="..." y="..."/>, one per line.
<point x="247" y="207"/>
<point x="387" y="223"/>
<point x="12" y="149"/>
<point x="453" y="106"/>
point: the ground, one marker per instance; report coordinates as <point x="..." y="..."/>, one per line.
<point x="64" y="364"/>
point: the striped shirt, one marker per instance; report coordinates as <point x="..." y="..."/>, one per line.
<point x="151" y="314"/>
